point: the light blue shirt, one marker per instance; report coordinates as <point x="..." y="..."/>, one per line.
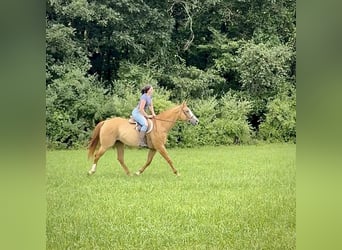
<point x="148" y="101"/>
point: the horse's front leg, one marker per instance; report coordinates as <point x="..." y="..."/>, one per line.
<point x="150" y="156"/>
<point x="164" y="153"/>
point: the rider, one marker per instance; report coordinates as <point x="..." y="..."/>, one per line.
<point x="139" y="112"/>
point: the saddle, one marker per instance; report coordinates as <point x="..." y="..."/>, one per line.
<point x="138" y="126"/>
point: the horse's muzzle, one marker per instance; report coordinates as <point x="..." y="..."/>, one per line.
<point x="194" y="120"/>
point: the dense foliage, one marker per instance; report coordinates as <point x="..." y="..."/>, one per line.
<point x="233" y="61"/>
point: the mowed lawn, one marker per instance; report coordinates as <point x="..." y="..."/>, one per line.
<point x="227" y="197"/>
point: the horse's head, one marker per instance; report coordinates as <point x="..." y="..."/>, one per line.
<point x="187" y="115"/>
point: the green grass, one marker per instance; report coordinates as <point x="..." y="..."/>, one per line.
<point x="236" y="197"/>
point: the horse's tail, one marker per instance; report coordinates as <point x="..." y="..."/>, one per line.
<point x="94" y="139"/>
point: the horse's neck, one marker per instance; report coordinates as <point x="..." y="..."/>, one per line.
<point x="169" y="117"/>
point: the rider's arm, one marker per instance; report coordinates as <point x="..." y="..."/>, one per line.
<point x="152" y="109"/>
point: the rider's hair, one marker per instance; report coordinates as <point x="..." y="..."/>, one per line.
<point x="145" y="89"/>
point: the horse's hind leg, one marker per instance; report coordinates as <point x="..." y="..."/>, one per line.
<point x="98" y="155"/>
<point x="120" y="147"/>
<point x="150" y="156"/>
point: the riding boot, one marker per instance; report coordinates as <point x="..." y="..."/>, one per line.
<point x="142" y="139"/>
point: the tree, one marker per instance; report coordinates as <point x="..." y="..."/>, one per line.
<point x="264" y="70"/>
<point x="63" y="54"/>
<point x="104" y="51"/>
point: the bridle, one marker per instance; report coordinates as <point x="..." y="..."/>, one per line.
<point x="186" y="114"/>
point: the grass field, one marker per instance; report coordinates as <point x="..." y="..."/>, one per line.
<point x="234" y="197"/>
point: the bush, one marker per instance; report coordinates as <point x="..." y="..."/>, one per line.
<point x="222" y="122"/>
<point x="74" y="104"/>
<point x="232" y="125"/>
<point x="280" y="122"/>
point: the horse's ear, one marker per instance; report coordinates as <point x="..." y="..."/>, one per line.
<point x="184" y="103"/>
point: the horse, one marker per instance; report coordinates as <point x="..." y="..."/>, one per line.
<point x="117" y="132"/>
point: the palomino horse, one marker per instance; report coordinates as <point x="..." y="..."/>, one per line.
<point x="118" y="132"/>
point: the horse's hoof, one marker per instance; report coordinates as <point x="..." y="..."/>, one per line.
<point x="137" y="173"/>
<point x="90" y="172"/>
<point x="178" y="174"/>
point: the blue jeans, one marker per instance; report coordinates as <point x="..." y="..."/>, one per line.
<point x="140" y="119"/>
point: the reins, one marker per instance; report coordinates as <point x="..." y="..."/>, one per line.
<point x="164" y="120"/>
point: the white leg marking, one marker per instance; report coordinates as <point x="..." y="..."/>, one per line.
<point x="93" y="169"/>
